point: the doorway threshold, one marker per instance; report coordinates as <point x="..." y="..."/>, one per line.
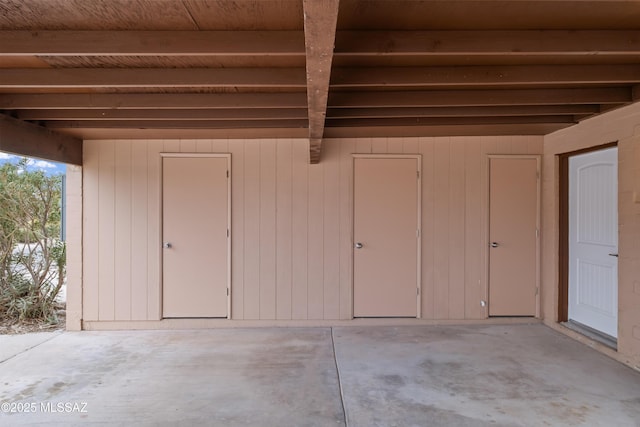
<point x="595" y="335"/>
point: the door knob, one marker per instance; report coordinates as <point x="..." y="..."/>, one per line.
<point x="358" y="245"/>
<point x="167" y="245"/>
<point x="494" y="244"/>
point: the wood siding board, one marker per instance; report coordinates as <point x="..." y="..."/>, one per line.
<point x="379" y="145"/>
<point x="171" y="146"/>
<point x="504" y="145"/>
<point x="347" y="148"/>
<point x="442" y="219"/>
<point x="139" y="230"/>
<point x="284" y="236"/>
<point x="237" y="229"/>
<point x="394" y="146"/>
<point x="410" y="145"/>
<point x="473" y="230"/>
<point x="536" y="144"/>
<point x="106" y="231"/>
<point x="220" y="146"/>
<point x="154" y="277"/>
<point x="299" y="225"/>
<point x="203" y="146"/>
<point x="331" y="238"/>
<point x="457" y="229"/>
<point x="427" y="149"/>
<point x="252" y="230"/>
<point x="316" y="241"/>
<point x="363" y="146"/>
<point x="629" y="249"/>
<point x="91" y="221"/>
<point x="268" y="245"/>
<point x="188" y="146"/>
<point x="73" y="204"/>
<point x="533" y="144"/>
<point x="489" y="145"/>
<point x="122" y="225"/>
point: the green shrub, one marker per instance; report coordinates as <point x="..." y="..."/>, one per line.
<point x="32" y="258"/>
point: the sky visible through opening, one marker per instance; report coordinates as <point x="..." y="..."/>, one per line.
<point x="49" y="168"/>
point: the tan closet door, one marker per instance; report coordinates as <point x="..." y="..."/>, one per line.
<point x="513" y="219"/>
<point x="385" y="237"/>
<point x="195" y="242"/>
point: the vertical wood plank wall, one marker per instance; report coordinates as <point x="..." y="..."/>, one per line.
<point x="291" y="225"/>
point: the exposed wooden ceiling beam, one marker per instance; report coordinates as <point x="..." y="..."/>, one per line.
<point x="151" y="43"/>
<point x="330" y="132"/>
<point x="498" y="97"/>
<point x="320" y="19"/>
<point x="471" y="76"/>
<point x="476" y="43"/>
<point x="291" y="43"/>
<point x="154" y="133"/>
<point x="445" y="121"/>
<point x="153" y="101"/>
<point x="297" y="123"/>
<point x="27" y="139"/>
<point x="176" y="124"/>
<point x="199" y="114"/>
<point x="523" y="110"/>
<point x="16" y="78"/>
<point x="341" y="77"/>
<point x="301" y="113"/>
<point x="445" y="130"/>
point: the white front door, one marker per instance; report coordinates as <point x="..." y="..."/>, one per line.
<point x="593" y="240"/>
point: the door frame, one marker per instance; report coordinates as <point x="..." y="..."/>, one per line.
<point x="161" y="228"/>
<point x="418" y="158"/>
<point x="563" y="226"/>
<point x="538" y="159"/>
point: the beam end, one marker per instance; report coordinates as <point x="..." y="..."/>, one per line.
<point x="27" y="139"/>
<point x="315" y="150"/>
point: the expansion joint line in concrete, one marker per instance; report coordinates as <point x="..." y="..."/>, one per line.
<point x="29" y="348"/>
<point x="335" y="361"/>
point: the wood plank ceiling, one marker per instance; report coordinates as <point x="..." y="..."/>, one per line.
<point x="315" y="68"/>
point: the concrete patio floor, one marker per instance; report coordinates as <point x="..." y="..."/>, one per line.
<point x="511" y="375"/>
